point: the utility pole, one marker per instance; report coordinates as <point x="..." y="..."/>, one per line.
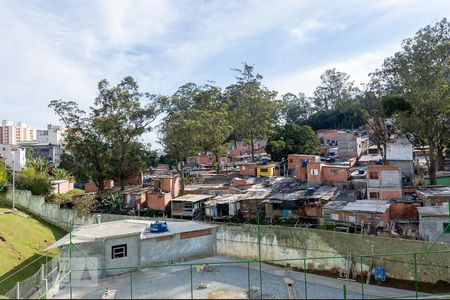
<point x="14" y="179"/>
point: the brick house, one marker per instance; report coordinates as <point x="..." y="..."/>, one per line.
<point x="384" y="182"/>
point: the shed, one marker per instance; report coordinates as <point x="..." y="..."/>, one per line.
<point x="190" y="205"/>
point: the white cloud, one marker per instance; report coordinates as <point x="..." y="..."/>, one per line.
<point x="358" y="67"/>
<point x="309" y="26"/>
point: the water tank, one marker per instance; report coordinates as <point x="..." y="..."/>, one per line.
<point x="157" y="227"/>
<point x="310" y="191"/>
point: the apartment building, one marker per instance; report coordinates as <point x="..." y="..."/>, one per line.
<point x="11" y="134"/>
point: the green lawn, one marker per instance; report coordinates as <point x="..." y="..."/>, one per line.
<point x="21" y="242"/>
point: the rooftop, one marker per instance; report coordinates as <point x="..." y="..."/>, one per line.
<point x="193" y="198"/>
<point x="367" y="206"/>
<point x="115" y="229"/>
<point x="443" y="191"/>
<point x="433" y="211"/>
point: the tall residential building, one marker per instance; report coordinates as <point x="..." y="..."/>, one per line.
<point x="11" y="134"/>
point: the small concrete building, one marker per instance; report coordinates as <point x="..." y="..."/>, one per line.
<point x="432" y="222"/>
<point x="384" y="182"/>
<point x="112" y="248"/>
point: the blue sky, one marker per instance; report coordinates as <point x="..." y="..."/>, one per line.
<point x="61" y="49"/>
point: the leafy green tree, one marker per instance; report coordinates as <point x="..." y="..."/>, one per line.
<point x="123" y="120"/>
<point x="3" y="177"/>
<point x="293" y="139"/>
<point x="209" y="107"/>
<point x="180" y="135"/>
<point x="72" y="166"/>
<point x="295" y="108"/>
<point x="252" y="107"/>
<point x="105" y="142"/>
<point x="335" y="91"/>
<point x="420" y="73"/>
<point x="85" y="141"/>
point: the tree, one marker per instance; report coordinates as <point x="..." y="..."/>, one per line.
<point x="105" y="142"/>
<point x="85" y="141"/>
<point x="335" y="91"/>
<point x="292" y="139"/>
<point x="209" y="108"/>
<point x="179" y="133"/>
<point x="3" y="177"/>
<point x="377" y="115"/>
<point x="295" y="108"/>
<point x="252" y="107"/>
<point x="420" y="73"/>
<point x="123" y="120"/>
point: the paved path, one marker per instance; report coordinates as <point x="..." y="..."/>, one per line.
<point x="175" y="282"/>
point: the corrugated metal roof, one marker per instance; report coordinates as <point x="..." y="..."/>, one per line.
<point x="193" y="198"/>
<point x="225" y="198"/>
<point x="367" y="206"/>
<point x="433" y="211"/>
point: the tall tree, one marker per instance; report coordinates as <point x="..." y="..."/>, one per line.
<point x="295" y="108"/>
<point x="335" y="91"/>
<point x="209" y="107"/>
<point x="124" y="119"/>
<point x="253" y="107"/>
<point x="85" y="140"/>
<point x="292" y="138"/>
<point x="420" y="73"/>
<point x="179" y="135"/>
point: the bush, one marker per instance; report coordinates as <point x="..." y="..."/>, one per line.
<point x="66" y="197"/>
<point x="36" y="182"/>
<point x="86" y="204"/>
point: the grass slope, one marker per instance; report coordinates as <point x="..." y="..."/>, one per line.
<point x="21" y="242"/>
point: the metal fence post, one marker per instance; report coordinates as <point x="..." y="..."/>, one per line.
<point x="344" y="290"/>
<point x="306" y="285"/>
<point x="248" y="277"/>
<point x="18" y="290"/>
<point x="46" y="288"/>
<point x="131" y="283"/>
<point x="42" y="272"/>
<point x="362" y="277"/>
<point x="70" y="259"/>
<point x="415" y="276"/>
<point x="192" y="284"/>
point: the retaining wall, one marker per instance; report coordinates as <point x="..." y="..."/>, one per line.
<point x="279" y="242"/>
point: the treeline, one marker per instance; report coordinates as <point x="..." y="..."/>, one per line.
<point x="410" y="92"/>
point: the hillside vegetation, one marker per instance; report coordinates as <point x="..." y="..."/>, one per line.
<point x="22" y="240"/>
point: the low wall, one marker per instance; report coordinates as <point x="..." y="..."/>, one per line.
<point x="278" y="243"/>
<point x="51" y="212"/>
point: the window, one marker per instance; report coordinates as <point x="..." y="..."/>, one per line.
<point x="314" y="172"/>
<point x="334" y="172"/>
<point x="243" y="168"/>
<point x="374" y="195"/>
<point x="119" y="251"/>
<point x="373" y="175"/>
<point x="446" y="226"/>
<point x="263" y="170"/>
<point x="290" y="160"/>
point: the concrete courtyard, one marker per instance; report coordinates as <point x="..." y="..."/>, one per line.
<point x="228" y="280"/>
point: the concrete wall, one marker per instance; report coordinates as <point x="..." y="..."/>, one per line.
<point x="287" y="243"/>
<point x="51" y="213"/>
<point x="431" y="227"/>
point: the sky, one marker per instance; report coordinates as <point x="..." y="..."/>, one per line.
<point x="61" y="49"/>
